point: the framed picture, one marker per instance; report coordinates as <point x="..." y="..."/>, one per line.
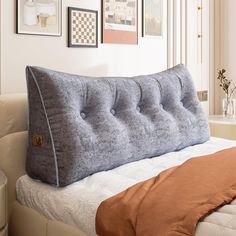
<point x="120" y="21"/>
<point x="39" y="17"/>
<point x="83" y="28"/>
<point x="152" y="20"/>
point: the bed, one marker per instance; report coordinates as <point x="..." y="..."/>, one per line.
<point x="68" y="205"/>
<point x="38" y="209"/>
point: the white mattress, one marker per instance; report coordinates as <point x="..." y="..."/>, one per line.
<point x="77" y="204"/>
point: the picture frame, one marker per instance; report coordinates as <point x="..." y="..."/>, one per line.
<point x="82" y="27"/>
<point x="34" y="17"/>
<point x="120" y="22"/>
<point x="152" y="18"/>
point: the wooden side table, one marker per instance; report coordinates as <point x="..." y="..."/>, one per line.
<point x="3" y="204"/>
<point x="223" y="127"/>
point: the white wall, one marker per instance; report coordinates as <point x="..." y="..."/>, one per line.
<point x="149" y="56"/>
<point x="17" y="51"/>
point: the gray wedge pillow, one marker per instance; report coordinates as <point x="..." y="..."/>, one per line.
<point x="82" y="125"/>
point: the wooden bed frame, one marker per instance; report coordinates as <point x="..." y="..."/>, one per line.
<point x="23" y="221"/>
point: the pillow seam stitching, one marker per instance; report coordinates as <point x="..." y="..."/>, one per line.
<point x="49" y="127"/>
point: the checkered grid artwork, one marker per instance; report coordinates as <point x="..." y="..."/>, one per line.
<point x="83" y="28"/>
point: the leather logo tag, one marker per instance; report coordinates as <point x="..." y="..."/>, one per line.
<point x="37" y="140"/>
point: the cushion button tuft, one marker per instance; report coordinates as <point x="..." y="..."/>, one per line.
<point x="82" y="114"/>
<point x="161" y="106"/>
<point x="138" y="109"/>
<point x="113" y="112"/>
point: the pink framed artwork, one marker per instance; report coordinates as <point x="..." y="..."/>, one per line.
<point x="120" y="21"/>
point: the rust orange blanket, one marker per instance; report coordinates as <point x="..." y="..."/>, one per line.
<point x="172" y="203"/>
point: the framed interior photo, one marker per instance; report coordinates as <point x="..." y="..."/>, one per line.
<point x="152" y="19"/>
<point x="82" y="27"/>
<point x="120" y="21"/>
<point x="39" y="17"/>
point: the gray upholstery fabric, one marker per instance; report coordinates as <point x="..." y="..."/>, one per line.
<point x="89" y="125"/>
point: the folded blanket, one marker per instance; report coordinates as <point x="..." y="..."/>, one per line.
<point x="172" y="203"/>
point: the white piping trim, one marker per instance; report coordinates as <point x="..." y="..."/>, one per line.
<point x="49" y="128"/>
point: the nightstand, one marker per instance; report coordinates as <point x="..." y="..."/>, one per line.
<point x="3" y="204"/>
<point x="223" y="127"/>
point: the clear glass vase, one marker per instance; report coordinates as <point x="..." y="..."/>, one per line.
<point x="229" y="106"/>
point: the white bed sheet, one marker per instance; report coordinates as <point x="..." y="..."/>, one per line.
<point x="77" y="204"/>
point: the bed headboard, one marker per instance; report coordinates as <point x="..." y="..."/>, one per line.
<point x="13" y="140"/>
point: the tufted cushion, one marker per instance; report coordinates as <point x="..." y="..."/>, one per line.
<point x="82" y="125"/>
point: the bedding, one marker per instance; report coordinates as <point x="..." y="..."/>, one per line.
<point x="196" y="188"/>
<point x="77" y="204"/>
<point x="81" y="125"/>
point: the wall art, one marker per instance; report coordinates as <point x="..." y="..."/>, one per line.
<point x="83" y="27"/>
<point x="152" y="20"/>
<point x="39" y="17"/>
<point x="120" y="21"/>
